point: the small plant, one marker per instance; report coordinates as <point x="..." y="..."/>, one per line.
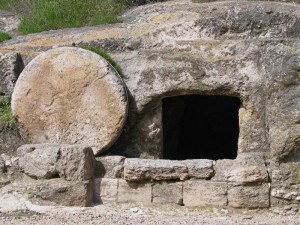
<point x="4" y="37"/>
<point x="6" y="116"/>
<point x="105" y="56"/>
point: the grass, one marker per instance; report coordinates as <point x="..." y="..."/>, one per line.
<point x="43" y="15"/>
<point x="4" y="37"/>
<point x="6" y="116"/>
<point x="105" y="56"/>
<point x="206" y="1"/>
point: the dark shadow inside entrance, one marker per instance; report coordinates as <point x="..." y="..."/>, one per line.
<point x="200" y="127"/>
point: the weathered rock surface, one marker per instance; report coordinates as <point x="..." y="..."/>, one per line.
<point x="70" y="162"/>
<point x="55" y="191"/>
<point x="76" y="163"/>
<point x="9" y="22"/>
<point x="200" y="193"/>
<point x="70" y="96"/>
<point x="167" y="193"/>
<point x="249" y="196"/>
<point x="144" y="169"/>
<point x="105" y="190"/>
<point x="247" y="168"/>
<point x="134" y="192"/>
<point x="200" y="168"/>
<point x="249" y="50"/>
<point x="109" y="166"/>
<point x="41" y="162"/>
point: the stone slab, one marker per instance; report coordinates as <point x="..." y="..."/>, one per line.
<point x="45" y="161"/>
<point x="134" y="192"/>
<point x="70" y="95"/>
<point x="105" y="190"/>
<point x="147" y="169"/>
<point x="200" y="193"/>
<point x="55" y="191"/>
<point x="109" y="166"/>
<point x="167" y="193"/>
<point x="75" y="162"/>
<point x="200" y="168"/>
<point x="247" y="168"/>
<point x="39" y="161"/>
<point x="249" y="196"/>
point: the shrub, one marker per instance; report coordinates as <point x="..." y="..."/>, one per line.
<point x="6" y="116"/>
<point x="4" y="37"/>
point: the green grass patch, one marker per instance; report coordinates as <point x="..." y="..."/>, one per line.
<point x="42" y="15"/>
<point x="105" y="56"/>
<point x="4" y="37"/>
<point x="51" y="15"/>
<point x="6" y="116"/>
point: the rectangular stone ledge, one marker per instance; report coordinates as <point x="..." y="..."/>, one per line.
<point x="105" y="190"/>
<point x="249" y="196"/>
<point x="134" y="192"/>
<point x="109" y="167"/>
<point x="200" y="168"/>
<point x="201" y="193"/>
<point x="146" y="169"/>
<point x="167" y="193"/>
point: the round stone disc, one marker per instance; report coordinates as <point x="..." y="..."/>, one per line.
<point x="70" y="95"/>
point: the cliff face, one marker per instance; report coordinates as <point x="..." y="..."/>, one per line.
<point x="246" y="50"/>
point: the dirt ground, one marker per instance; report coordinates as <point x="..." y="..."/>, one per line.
<point x="17" y="210"/>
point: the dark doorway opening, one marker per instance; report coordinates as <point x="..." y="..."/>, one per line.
<point x="200" y="127"/>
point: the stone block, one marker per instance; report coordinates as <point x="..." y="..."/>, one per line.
<point x="249" y="196"/>
<point x="201" y="193"/>
<point x="134" y="192"/>
<point x="39" y="161"/>
<point x="247" y="168"/>
<point x="45" y="161"/>
<point x="105" y="190"/>
<point x="200" y="168"/>
<point x="74" y="193"/>
<point x="55" y="191"/>
<point x="167" y="193"/>
<point x="76" y="162"/>
<point x="109" y="166"/>
<point x="147" y="169"/>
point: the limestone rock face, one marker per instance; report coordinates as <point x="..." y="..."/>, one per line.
<point x="70" y="96"/>
<point x="248" y="50"/>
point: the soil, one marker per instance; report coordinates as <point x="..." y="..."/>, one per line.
<point x="20" y="211"/>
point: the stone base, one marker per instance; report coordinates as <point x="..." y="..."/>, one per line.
<point x="204" y="193"/>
